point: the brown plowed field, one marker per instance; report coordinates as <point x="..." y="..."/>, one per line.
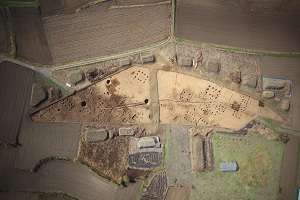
<point x="5" y="46"/>
<point x="30" y="35"/>
<point x="135" y="2"/>
<point x="44" y="140"/>
<point x="60" y="7"/>
<point x="288" y="180"/>
<point x="99" y="31"/>
<point x="15" y="87"/>
<point x="288" y="68"/>
<point x="219" y="22"/>
<point x="8" y="155"/>
<point x="62" y="176"/>
<point x="130" y="192"/>
<point x="178" y="193"/>
<point x="18" y="196"/>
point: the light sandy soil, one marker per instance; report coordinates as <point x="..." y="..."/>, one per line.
<point x="188" y="100"/>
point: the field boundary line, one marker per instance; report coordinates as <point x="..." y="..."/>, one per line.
<point x="141" y="5"/>
<point x="243" y="50"/>
<point x="111" y="57"/>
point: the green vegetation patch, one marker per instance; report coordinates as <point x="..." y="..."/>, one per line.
<point x="259" y="168"/>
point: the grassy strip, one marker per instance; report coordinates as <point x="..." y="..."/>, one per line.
<point x="276" y="126"/>
<point x="19" y="4"/>
<point x="157" y="169"/>
<point x="242" y="50"/>
<point x="13" y="52"/>
<point x="49" y="82"/>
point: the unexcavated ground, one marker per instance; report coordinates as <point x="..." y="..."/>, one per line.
<point x="30" y="36"/>
<point x="219" y="22"/>
<point x="105" y="31"/>
<point x="13" y="98"/>
<point x="5" y="41"/>
<point x="108" y="159"/>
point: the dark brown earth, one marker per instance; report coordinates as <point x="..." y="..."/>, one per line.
<point x="60" y="7"/>
<point x="130" y="192"/>
<point x="30" y="36"/>
<point x="99" y="107"/>
<point x="288" y="180"/>
<point x="30" y="196"/>
<point x="20" y="0"/>
<point x="5" y="44"/>
<point x="40" y="141"/>
<point x="259" y="28"/>
<point x="101" y="30"/>
<point x="108" y="159"/>
<point x="288" y="68"/>
<point x="15" y="88"/>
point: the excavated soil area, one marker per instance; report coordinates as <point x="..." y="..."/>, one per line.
<point x="108" y="159"/>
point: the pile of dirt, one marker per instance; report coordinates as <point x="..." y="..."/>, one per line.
<point x="108" y="159"/>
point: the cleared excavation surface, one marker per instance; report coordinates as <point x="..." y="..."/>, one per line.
<point x="121" y="98"/>
<point x="188" y="100"/>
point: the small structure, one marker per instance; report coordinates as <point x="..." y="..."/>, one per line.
<point x="37" y="95"/>
<point x="148" y="142"/>
<point x="125" y="62"/>
<point x="147" y="59"/>
<point x="76" y="78"/>
<point x="96" y="135"/>
<point x="126" y="131"/>
<point x="186" y="62"/>
<point x="228" y="167"/>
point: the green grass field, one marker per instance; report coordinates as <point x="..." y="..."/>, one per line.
<point x="259" y="161"/>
